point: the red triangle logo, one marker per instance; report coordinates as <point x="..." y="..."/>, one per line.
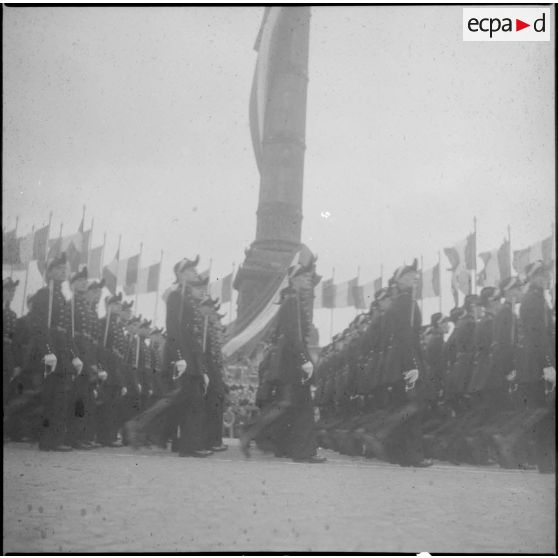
<point x="519" y="25"/>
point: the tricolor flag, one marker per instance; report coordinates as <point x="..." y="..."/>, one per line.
<point x="462" y="258"/>
<point x="356" y="294"/>
<point x="497" y="265"/>
<point x="429" y="283"/>
<point x="541" y="250"/>
<point x="110" y="273"/>
<point x="95" y="259"/>
<point x="328" y="294"/>
<point x="40" y="244"/>
<point x="26" y="248"/>
<point x="221" y="288"/>
<point x="72" y="244"/>
<point x="10" y="248"/>
<point x="262" y="322"/>
<point x="369" y="290"/>
<point x="262" y="76"/>
<point x="148" y="279"/>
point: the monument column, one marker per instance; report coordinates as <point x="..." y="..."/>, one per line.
<point x="278" y="124"/>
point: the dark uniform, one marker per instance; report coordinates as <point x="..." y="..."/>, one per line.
<point x="215" y="396"/>
<point x="58" y="383"/>
<point x="82" y="402"/>
<point x="289" y="420"/>
<point x="113" y="354"/>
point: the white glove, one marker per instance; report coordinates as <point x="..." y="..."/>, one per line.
<point x="139" y="388"/>
<point x="123" y="391"/>
<point x="95" y="394"/>
<point x="411" y="376"/>
<point x="549" y="375"/>
<point x="180" y="367"/>
<point x="16" y="372"/>
<point x="308" y="368"/>
<point x="205" y="382"/>
<point x="77" y="364"/>
<point x="150" y="392"/>
<point x="50" y="360"/>
<point x="103" y="375"/>
<point x="512" y="376"/>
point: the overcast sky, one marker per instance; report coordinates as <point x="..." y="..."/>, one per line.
<point x="141" y="114"/>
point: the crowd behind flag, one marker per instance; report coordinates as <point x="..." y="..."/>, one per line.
<point x="34" y="249"/>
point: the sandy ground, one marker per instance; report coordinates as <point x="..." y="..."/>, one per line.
<point x="121" y="500"/>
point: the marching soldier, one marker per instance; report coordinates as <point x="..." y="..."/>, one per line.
<point x="51" y="337"/>
<point x="82" y="404"/>
<point x="112" y="384"/>
<point x="403" y="363"/>
<point x="95" y="337"/>
<point x="184" y="405"/>
<point x="459" y="374"/>
<point x="291" y="416"/>
<point x="535" y="377"/>
<point x="215" y="395"/>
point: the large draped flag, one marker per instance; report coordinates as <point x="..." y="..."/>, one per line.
<point x="262" y="77"/>
<point x="462" y="258"/>
<point x="262" y="321"/>
<point x="497" y="265"/>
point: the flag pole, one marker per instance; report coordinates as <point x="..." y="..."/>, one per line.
<point x="381" y="275"/>
<point x="421" y="286"/>
<point x="158" y="290"/>
<point x="209" y="277"/>
<point x="26" y="277"/>
<point x="355" y="302"/>
<point x="45" y="255"/>
<point x="231" y="295"/>
<point x="103" y="254"/>
<point x="136" y="285"/>
<point x="118" y="262"/>
<point x="15" y="238"/>
<point x="89" y="243"/>
<point x="508" y="269"/>
<point x="474" y="255"/>
<point x="333" y="304"/>
<point x="439" y="282"/>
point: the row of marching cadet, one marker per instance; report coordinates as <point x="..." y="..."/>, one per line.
<point x="74" y="381"/>
<point x="477" y="386"/>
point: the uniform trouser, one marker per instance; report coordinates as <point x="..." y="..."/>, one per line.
<point x="107" y="425"/>
<point x="159" y="418"/>
<point x="81" y="411"/>
<point x="192" y="418"/>
<point x="402" y="427"/>
<point x="55" y="397"/>
<point x="214" y="406"/>
<point x="289" y="422"/>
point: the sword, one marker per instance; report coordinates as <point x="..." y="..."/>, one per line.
<point x="106" y="329"/>
<point x="50" y="300"/>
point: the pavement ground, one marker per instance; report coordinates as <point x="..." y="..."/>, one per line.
<point x="150" y="500"/>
